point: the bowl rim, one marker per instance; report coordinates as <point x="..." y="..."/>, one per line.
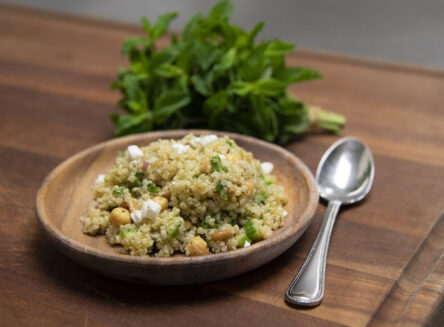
<point x="289" y="231"/>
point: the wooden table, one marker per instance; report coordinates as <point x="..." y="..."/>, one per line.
<point x="385" y="262"/>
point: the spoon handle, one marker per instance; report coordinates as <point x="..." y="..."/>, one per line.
<point x="307" y="288"/>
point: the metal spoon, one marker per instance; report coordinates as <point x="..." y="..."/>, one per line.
<point x="344" y="176"/>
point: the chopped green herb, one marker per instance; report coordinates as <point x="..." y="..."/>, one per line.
<point x="230" y="143"/>
<point x="119" y="191"/>
<point x="124" y="232"/>
<point x="121" y="154"/>
<point x="153" y="188"/>
<point x="251" y="230"/>
<point x="139" y="177"/>
<point x="221" y="190"/>
<point x="195" y="176"/>
<point x="172" y="233"/>
<point x="244" y="239"/>
<point x="205" y="225"/>
<point x="260" y="197"/>
<point x="216" y="163"/>
<point x="267" y="179"/>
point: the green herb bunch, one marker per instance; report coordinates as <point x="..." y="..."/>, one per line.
<point x="217" y="76"/>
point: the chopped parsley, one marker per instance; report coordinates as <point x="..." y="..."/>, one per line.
<point x="217" y="164"/>
<point x="125" y="231"/>
<point x="119" y="191"/>
<point x="267" y="179"/>
<point x="244" y="239"/>
<point x="251" y="230"/>
<point x="230" y="143"/>
<point x="153" y="188"/>
<point x="260" y="197"/>
<point x="172" y="232"/>
<point x="206" y="225"/>
<point x="220" y="189"/>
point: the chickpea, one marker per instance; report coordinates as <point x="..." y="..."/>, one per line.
<point x="205" y="166"/>
<point x="197" y="246"/>
<point x="222" y="235"/>
<point x="119" y="216"/>
<point x="162" y="201"/>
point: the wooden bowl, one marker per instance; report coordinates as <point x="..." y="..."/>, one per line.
<point x="66" y="192"/>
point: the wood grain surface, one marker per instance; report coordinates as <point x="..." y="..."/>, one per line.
<point x="59" y="207"/>
<point x="385" y="264"/>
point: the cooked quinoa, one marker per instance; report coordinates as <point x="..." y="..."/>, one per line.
<point x="197" y="195"/>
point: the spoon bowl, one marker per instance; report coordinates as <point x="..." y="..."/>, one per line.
<point x="346" y="171"/>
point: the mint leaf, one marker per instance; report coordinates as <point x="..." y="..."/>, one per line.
<point x="278" y="48"/>
<point x="298" y="74"/>
<point x="146" y="25"/>
<point x="168" y="103"/>
<point x="162" y="25"/>
<point x="221" y="11"/>
<point x="215" y="104"/>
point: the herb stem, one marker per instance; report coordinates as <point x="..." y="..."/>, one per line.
<point x="325" y="120"/>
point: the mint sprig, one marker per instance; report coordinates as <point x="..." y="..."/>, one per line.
<point x="215" y="75"/>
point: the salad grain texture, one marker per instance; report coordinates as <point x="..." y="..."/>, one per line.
<point x="198" y="195"/>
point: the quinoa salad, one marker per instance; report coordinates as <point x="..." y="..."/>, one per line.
<point x="196" y="196"/>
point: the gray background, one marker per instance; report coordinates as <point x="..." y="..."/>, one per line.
<point x="410" y="31"/>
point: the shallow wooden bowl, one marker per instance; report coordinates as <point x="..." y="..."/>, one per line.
<point x="67" y="191"/>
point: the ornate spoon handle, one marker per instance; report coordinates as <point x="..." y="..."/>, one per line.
<point x="307" y="288"/>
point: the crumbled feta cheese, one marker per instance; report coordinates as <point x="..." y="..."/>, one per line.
<point x="221" y="156"/>
<point x="134" y="152"/>
<point x="150" y="209"/>
<point x="194" y="141"/>
<point x="136" y="216"/>
<point x="267" y="167"/>
<point x="180" y="148"/>
<point x="208" y="139"/>
<point x="284" y="213"/>
<point x="246" y="244"/>
<point x="204" y="140"/>
<point x="100" y="179"/>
